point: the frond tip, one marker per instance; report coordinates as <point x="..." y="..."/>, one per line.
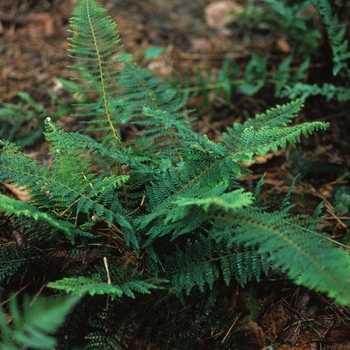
<point x="231" y="200"/>
<point x="81" y="285"/>
<point x="94" y="45"/>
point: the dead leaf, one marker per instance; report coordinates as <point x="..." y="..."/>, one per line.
<point x="37" y="23"/>
<point x="282" y="44"/>
<point x="20" y="192"/>
<point x="262" y="160"/>
<point x="258" y="333"/>
<point x="275" y="320"/>
<point x="201" y="45"/>
<point x="337" y="346"/>
<point x="217" y="14"/>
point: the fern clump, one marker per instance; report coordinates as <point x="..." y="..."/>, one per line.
<point x="162" y="216"/>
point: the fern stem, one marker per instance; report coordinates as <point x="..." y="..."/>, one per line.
<point x="103" y="88"/>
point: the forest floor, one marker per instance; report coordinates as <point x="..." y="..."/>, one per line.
<point x="33" y="49"/>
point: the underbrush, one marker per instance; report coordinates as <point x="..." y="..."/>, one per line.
<point x="137" y="244"/>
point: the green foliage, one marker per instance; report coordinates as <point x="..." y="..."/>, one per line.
<point x="10" y="205"/>
<point x="291" y="76"/>
<point x="336" y="34"/>
<point x="132" y="225"/>
<point x="81" y="285"/>
<point x="342" y="200"/>
<point x="204" y="321"/>
<point x="289" y="17"/>
<point x="32" y="326"/>
<point x="305" y="90"/>
<point x="25" y="124"/>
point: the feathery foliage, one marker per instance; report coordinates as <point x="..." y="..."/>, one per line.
<point x="25" y="124"/>
<point x="293" y="76"/>
<point x="32" y="327"/>
<point x="162" y="217"/>
<point x="336" y="34"/>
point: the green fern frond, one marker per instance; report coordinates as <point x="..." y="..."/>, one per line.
<point x="307" y="257"/>
<point x="336" y="34"/>
<point x="207" y="177"/>
<point x="81" y="285"/>
<point x="10" y="206"/>
<point x="215" y="167"/>
<point x="94" y="45"/>
<point x="279" y="116"/>
<point x="202" y="261"/>
<point x="105" y="158"/>
<point x="11" y="261"/>
<point x="305" y="90"/>
<point x="31" y="327"/>
<point x="268" y="133"/>
<point x="69" y="186"/>
<point x="231" y="200"/>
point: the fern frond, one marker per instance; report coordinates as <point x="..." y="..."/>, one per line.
<point x="307" y="257"/>
<point x="199" y="176"/>
<point x="18" y="208"/>
<point x="69" y="187"/>
<point x="268" y="133"/>
<point x="94" y="45"/>
<point x="305" y="90"/>
<point x="81" y="285"/>
<point x="31" y="327"/>
<point x="11" y="260"/>
<point x="105" y="158"/>
<point x="232" y="200"/>
<point x="279" y="116"/>
<point x="336" y="34"/>
<point x="202" y="261"/>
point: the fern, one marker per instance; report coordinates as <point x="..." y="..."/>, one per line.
<point x="162" y="217"/>
<point x="11" y="262"/>
<point x="9" y="205"/>
<point x="336" y="33"/>
<point x="82" y="285"/>
<point x="25" y="124"/>
<point x="278" y="238"/>
<point x="93" y="42"/>
<point x="305" y="90"/>
<point x="202" y="261"/>
<point x="31" y="328"/>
